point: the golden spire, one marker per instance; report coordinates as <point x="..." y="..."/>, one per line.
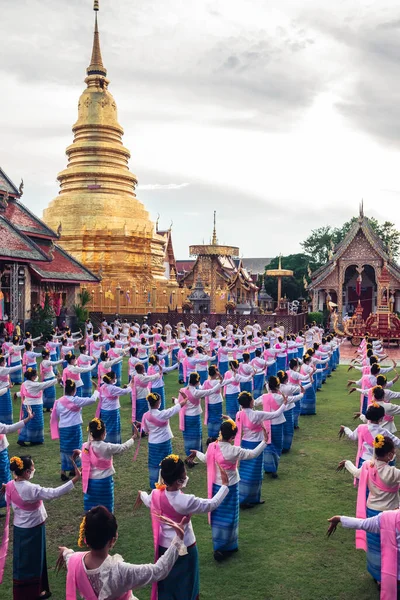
<point x="280" y="262"/>
<point x="214" y="241"/>
<point x="96" y="66"/>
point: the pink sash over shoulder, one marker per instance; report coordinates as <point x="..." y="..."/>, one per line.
<point x="12" y="496"/>
<point x="77" y="579"/>
<point x="160" y="506"/>
<point x="390" y="524"/>
<point x="369" y="472"/>
<point x="90" y="459"/>
<point x="214" y="455"/>
<point x="135" y="383"/>
<point x="150" y="418"/>
<point x="242" y="420"/>
<point x="182" y="412"/>
<point x="269" y="405"/>
<point x="67" y="403"/>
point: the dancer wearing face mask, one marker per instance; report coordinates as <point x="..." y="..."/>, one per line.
<point x="169" y="501"/>
<point x="30" y="580"/>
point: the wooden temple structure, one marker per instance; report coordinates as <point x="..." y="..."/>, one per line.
<point x="32" y="263"/>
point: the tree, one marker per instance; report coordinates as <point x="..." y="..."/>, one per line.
<point x="81" y="309"/>
<point x="292" y="287"/>
<point x="321" y="241"/>
<point x="42" y="319"/>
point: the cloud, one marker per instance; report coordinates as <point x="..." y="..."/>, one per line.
<point x="162" y="186"/>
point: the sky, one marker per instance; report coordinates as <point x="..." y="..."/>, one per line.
<point x="280" y="115"/>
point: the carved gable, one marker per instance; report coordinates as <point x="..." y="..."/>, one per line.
<point x="360" y="250"/>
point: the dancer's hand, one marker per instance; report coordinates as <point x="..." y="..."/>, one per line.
<point x="266" y="435"/>
<point x="138" y="501"/>
<point x="135" y="432"/>
<point x="76" y="454"/>
<point x="341" y="431"/>
<point x="224" y="475"/>
<point x="356" y="415"/>
<point x="30" y="414"/>
<point x="179" y="528"/>
<point x="352" y="390"/>
<point x="341" y="466"/>
<point x="334" y="522"/>
<point x="350" y="368"/>
<point x="60" y="563"/>
<point x="350" y="382"/>
<point x="78" y="474"/>
<point x="192" y="455"/>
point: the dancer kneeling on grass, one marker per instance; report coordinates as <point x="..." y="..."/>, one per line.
<point x="225" y="520"/>
<point x="97" y="574"/>
<point x="378" y="490"/>
<point x="97" y="465"/>
<point x="66" y="425"/>
<point x="155" y="422"/>
<point x="250" y="434"/>
<point x="387" y="525"/>
<point x="30" y="580"/>
<point x="169" y="501"/>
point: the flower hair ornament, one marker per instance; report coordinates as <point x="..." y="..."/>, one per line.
<point x="16" y="460"/>
<point x="174" y="457"/>
<point x="160" y="486"/>
<point x="81" y="538"/>
<point x="98" y="423"/>
<point x="153" y="396"/>
<point x="375" y="404"/>
<point x="29" y="370"/>
<point x="231" y="423"/>
<point x="379" y="441"/>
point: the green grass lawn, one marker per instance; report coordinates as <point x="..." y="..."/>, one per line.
<point x="283" y="550"/>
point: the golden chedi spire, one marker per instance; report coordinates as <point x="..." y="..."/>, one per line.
<point x="103" y="223"/>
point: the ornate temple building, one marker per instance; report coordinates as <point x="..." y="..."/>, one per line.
<point x="32" y="264"/>
<point x="103" y="223"/>
<point x="217" y="273"/>
<point x="360" y="273"/>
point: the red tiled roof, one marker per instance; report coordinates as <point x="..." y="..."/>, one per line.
<point x="63" y="267"/>
<point x="7" y="185"/>
<point x="16" y="245"/>
<point x="184" y="265"/>
<point x="26" y="221"/>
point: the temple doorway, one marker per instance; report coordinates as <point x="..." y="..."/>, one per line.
<point x="365" y="291"/>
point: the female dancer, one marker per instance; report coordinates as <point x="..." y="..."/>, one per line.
<point x="72" y="371"/>
<point x="85" y="360"/>
<point x="109" y="405"/>
<point x="31" y="394"/>
<point x="16" y="360"/>
<point x="250" y="433"/>
<point x="6" y="408"/>
<point x="97" y="465"/>
<point x="169" y="501"/>
<point x="231" y="384"/>
<point x="47" y="373"/>
<point x="139" y="386"/>
<point x="225" y="519"/>
<point x="213" y="402"/>
<point x="66" y="424"/>
<point x="155" y="422"/>
<point x="30" y="580"/>
<point x="158" y="386"/>
<point x="90" y="573"/>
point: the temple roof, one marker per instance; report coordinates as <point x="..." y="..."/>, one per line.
<point x="27" y="222"/>
<point x="61" y="266"/>
<point x="362" y="225"/>
<point x="7" y="185"/>
<point x="16" y="245"/>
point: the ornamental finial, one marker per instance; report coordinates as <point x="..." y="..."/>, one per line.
<point x="96" y="5"/>
<point x="96" y="66"/>
<point x="214" y="237"/>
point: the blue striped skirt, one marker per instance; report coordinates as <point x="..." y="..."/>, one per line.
<point x="203" y="376"/>
<point x="142" y="406"/>
<point x="161" y="392"/>
<point x="246" y="386"/>
<point x="308" y="404"/>
<point x="5" y="473"/>
<point x="318" y="378"/>
<point x="94" y="372"/>
<point x="252" y="355"/>
<point x="272" y="370"/>
<point x="223" y="367"/>
<point x="214" y="419"/>
<point x="29" y="561"/>
<point x="54" y="357"/>
<point x="175" y="355"/>
<point x="364" y="405"/>
<point x="49" y="396"/>
<point x="118" y="371"/>
<point x="70" y="440"/>
<point x="64" y="364"/>
<point x="373" y="549"/>
<point x="87" y="384"/>
<point x="34" y="429"/>
<point x="157" y="452"/>
<point x="112" y="421"/>
<point x="251" y="476"/>
<point x="180" y="372"/>
<point x="166" y="360"/>
<point x="288" y="429"/>
<point x="100" y="492"/>
<point x="16" y="377"/>
<point x="273" y="451"/>
<point x="296" y="413"/>
<point x="300" y="353"/>
<point x="183" y="581"/>
<point x="192" y="436"/>
<point x="258" y="385"/>
<point x="6" y="408"/>
<point x="225" y="520"/>
<point x="281" y="363"/>
<point x="232" y="405"/>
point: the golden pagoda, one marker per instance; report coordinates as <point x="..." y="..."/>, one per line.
<point x="103" y="223"/>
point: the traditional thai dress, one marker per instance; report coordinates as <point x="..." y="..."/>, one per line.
<point x="213" y="407"/>
<point x="365" y="435"/>
<point x="190" y="418"/>
<point x="223" y="359"/>
<point x="95" y="349"/>
<point x="231" y="383"/>
<point x="29" y="536"/>
<point x="52" y="348"/>
<point x="104" y="367"/>
<point x="272" y="453"/>
<point x="98" y="471"/>
<point x="225" y="519"/>
<point x="156" y="423"/>
<point x="132" y="362"/>
<point x="117" y="353"/>
<point x="108" y="410"/>
<point x="74" y="372"/>
<point x="245" y="370"/>
<point x="31" y="393"/>
<point x="6" y="407"/>
<point x="378" y="490"/>
<point x="270" y="357"/>
<point x="47" y="373"/>
<point x="296" y="378"/>
<point x="85" y="360"/>
<point x="308" y="403"/>
<point x="140" y="386"/>
<point x="259" y="365"/>
<point x="64" y="350"/>
<point x="158" y="385"/>
<point x="288" y="427"/>
<point x="29" y="359"/>
<point x="66" y="425"/>
<point x="183" y="581"/>
<point x="16" y="361"/>
<point x="114" y="574"/>
<point x="5" y="473"/>
<point x="281" y="356"/>
<point x="249" y="435"/>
